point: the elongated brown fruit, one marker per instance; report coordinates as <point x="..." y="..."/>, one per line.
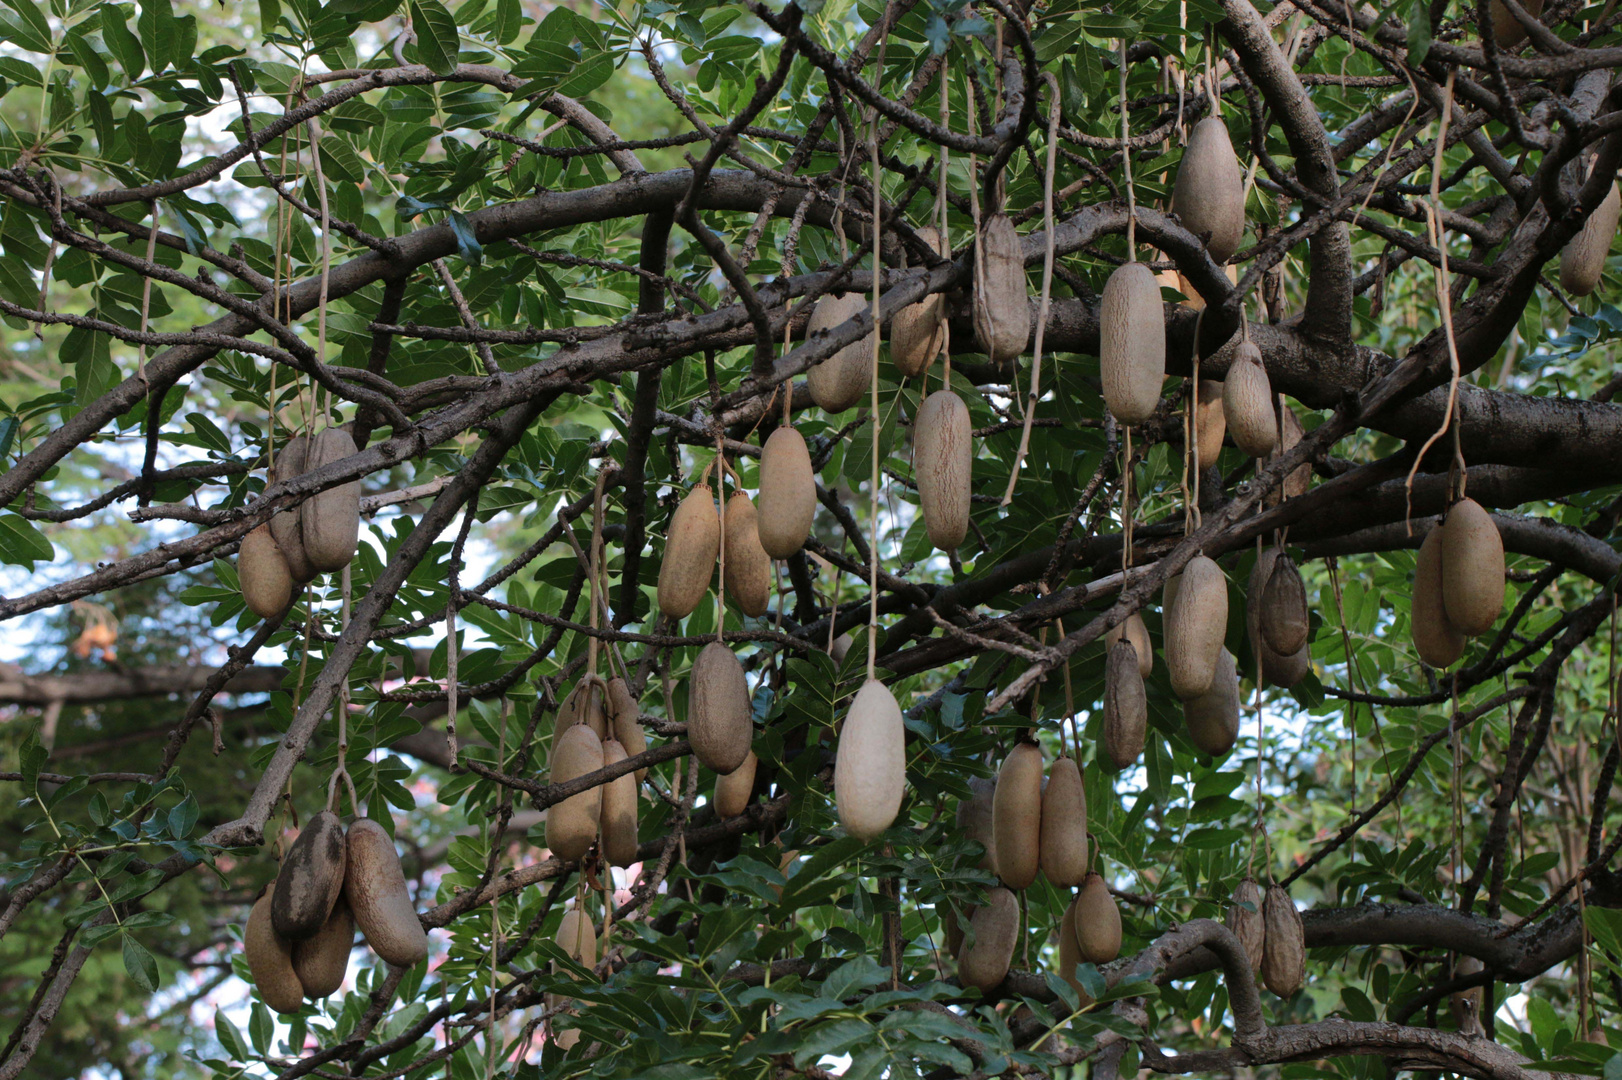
<point x="1437" y="640"/>
<point x="1195" y="627"/>
<point x="1247" y="403"/>
<point x="1016" y="815"/>
<point x="330" y="520"/>
<point x="870" y="765"/>
<point x="1210" y="424"/>
<point x="571" y="825"/>
<point x="1472" y="569"/>
<point x="1279" y="670"/>
<point x="1284" y="946"/>
<point x="322" y="961"/>
<point x="270" y="958"/>
<point x="1465" y="1005"/>
<point x="943" y="462"/>
<point x="1132" y="629"/>
<point x="625" y="721"/>
<point x="1132" y="343"/>
<point x="1582" y="260"/>
<point x="1064" y="825"/>
<point x="692" y="549"/>
<point x="1002" y="310"/>
<point x="584" y="704"/>
<point x="1507" y="30"/>
<point x="748" y="567"/>
<point x="1070" y="953"/>
<point x="1245" y="920"/>
<point x="1209" y="193"/>
<point x="263" y="574"/>
<point x="984" y="964"/>
<point x="1098" y="922"/>
<point x="843" y="379"/>
<point x="375" y="888"/>
<point x="577" y="937"/>
<point x="918" y="331"/>
<point x="720" y="721"/>
<point x="1126" y="707"/>
<point x="787" y="501"/>
<point x="1285" y="622"/>
<point x="733" y="791"/>
<point x="1213" y="717"/>
<point x="311" y="877"/>
<point x="286" y="526"/>
<point x="618" y="817"/>
<point x="975" y="818"/>
<point x="1299" y="479"/>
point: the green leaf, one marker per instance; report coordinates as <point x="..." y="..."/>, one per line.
<point x="437" y="41"/>
<point x="125" y="47"/>
<point x="32" y="758"/>
<point x="25" y="25"/>
<point x="183" y="818"/>
<point x="8" y="434"/>
<point x="21" y="544"/>
<point x="140" y="964"/>
<point x="261" y="1028"/>
<point x="1419" y="32"/>
<point x="467" y="238"/>
<point x="229" y="1036"/>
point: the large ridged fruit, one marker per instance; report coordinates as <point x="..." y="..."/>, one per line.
<point x="1507" y="30"/>
<point x="1196" y="626"/>
<point x="263" y="574"/>
<point x="918" y="331"/>
<point x="1212" y="718"/>
<point x="1284" y="619"/>
<point x="748" y="567"/>
<point x="1126" y="707"/>
<point x="1098" y="922"/>
<point x="787" y="500"/>
<point x="1284" y="952"/>
<point x="1247" y="403"/>
<point x="720" y="721"/>
<point x="286" y="526"/>
<point x="870" y="766"/>
<point x="943" y="463"/>
<point x="1070" y="953"/>
<point x="311" y="877"/>
<point x="733" y="791"/>
<point x="322" y="961"/>
<point x="1209" y="194"/>
<point x="1279" y="670"/>
<point x="975" y="817"/>
<point x="1132" y="343"/>
<point x="1245" y="920"/>
<point x="1002" y="309"/>
<point x="375" y="888"/>
<point x="1064" y="825"/>
<point x="330" y="520"/>
<point x="1210" y="424"/>
<point x="1132" y="629"/>
<point x="1582" y="260"/>
<point x="571" y="825"/>
<point x="270" y="958"/>
<point x="692" y="549"/>
<point x="618" y="816"/>
<point x="625" y="721"/>
<point x="1472" y="569"/>
<point x="1437" y="640"/>
<point x="984" y="964"/>
<point x="1016" y="815"/>
<point x="842" y="379"/>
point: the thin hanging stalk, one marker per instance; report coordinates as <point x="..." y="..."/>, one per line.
<point x="1047" y="286"/>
